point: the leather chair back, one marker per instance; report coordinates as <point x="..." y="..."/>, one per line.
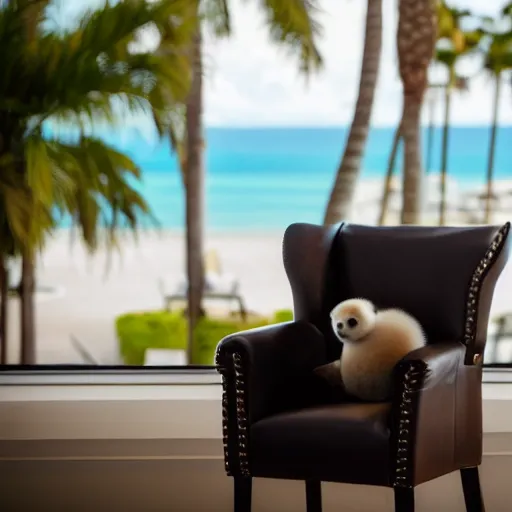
<point x="443" y="276"/>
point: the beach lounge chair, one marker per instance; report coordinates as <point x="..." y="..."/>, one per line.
<point x="219" y="285"/>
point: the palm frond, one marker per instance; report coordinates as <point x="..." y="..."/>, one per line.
<point x="449" y="19"/>
<point x="111" y="29"/>
<point x="80" y="75"/>
<point x="103" y="195"/>
<point x="498" y="43"/>
<point x="446" y="56"/>
<point x="88" y="74"/>
<point x="217" y="17"/>
<point x="25" y="220"/>
<point x="498" y="57"/>
<point x="294" y="24"/>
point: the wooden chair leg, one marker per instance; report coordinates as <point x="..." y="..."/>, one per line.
<point x="404" y="499"/>
<point x="472" y="491"/>
<point x="243" y="494"/>
<point x="313" y="496"/>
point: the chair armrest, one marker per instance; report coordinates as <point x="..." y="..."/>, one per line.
<point x="265" y="371"/>
<point x="436" y="424"/>
<point x="276" y="363"/>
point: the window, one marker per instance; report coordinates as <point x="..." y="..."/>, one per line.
<point x="271" y="147"/>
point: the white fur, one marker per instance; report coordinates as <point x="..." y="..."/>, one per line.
<point x="374" y="346"/>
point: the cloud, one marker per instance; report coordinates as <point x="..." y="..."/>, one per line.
<point x="250" y="81"/>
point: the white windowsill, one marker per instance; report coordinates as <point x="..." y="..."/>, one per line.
<point x="150" y="376"/>
<point x="99" y="377"/>
<point x="182" y="407"/>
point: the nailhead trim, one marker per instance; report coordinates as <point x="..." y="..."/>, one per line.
<point x="225" y="417"/>
<point x="411" y="382"/>
<point x="241" y="415"/>
<point x="225" y="411"/>
<point x="417" y="370"/>
<point x="477" y="279"/>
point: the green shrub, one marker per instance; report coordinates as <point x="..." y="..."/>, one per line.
<point x="137" y="332"/>
<point x="156" y="329"/>
<point x="210" y="331"/>
<point x="283" y="315"/>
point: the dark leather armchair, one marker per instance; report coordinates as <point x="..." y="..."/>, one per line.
<point x="283" y="421"/>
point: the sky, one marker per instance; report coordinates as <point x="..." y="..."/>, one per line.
<point x="251" y="82"/>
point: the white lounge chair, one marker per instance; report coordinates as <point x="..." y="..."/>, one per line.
<point x="219" y="285"/>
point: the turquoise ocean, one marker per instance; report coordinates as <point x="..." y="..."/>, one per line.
<point x="266" y="178"/>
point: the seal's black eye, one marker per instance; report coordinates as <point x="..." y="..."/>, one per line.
<point x="352" y="322"/>
<point x="339" y="326"/>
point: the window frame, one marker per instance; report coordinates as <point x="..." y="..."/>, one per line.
<point x="19" y="375"/>
<point x="75" y="375"/>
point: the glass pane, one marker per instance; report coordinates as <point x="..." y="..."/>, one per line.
<point x="268" y="150"/>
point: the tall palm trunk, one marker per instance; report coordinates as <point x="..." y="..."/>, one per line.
<point x="492" y="150"/>
<point x="4" y="291"/>
<point x="412" y="173"/>
<point x="384" y="205"/>
<point x="194" y="193"/>
<point x="27" y="306"/>
<point x="416" y="37"/>
<point x="444" y="155"/>
<point x="342" y="193"/>
<point x="431" y="129"/>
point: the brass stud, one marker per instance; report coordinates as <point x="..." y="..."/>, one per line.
<point x="477" y="358"/>
<point x="411" y="381"/>
<point x="476" y="282"/>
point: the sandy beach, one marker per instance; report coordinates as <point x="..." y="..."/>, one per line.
<point x="88" y="299"/>
<point x="87" y="295"/>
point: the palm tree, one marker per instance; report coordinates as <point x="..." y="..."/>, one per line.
<point x="342" y="193"/>
<point x="78" y="77"/>
<point x="388" y="180"/>
<point x="460" y="84"/>
<point x="290" y="22"/>
<point x="453" y="43"/>
<point x="432" y="101"/>
<point x="195" y="193"/>
<point x="498" y="59"/>
<point x="416" y="38"/>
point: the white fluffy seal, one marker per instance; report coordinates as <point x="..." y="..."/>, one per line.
<point x="373" y="343"/>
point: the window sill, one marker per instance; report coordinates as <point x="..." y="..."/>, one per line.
<point x="100" y="376"/>
<point x="110" y="376"/>
<point x="180" y="407"/>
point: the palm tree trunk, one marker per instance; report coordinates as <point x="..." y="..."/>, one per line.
<point x="342" y="193"/>
<point x="194" y="192"/>
<point x="416" y="38"/>
<point x="389" y="176"/>
<point x="492" y="150"/>
<point x="4" y="291"/>
<point x="412" y="172"/>
<point x="431" y="129"/>
<point x="444" y="155"/>
<point x="27" y="317"/>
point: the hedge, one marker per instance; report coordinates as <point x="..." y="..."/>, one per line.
<point x="138" y="331"/>
<point x="283" y="315"/>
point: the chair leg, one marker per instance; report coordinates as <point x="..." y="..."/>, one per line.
<point x="243" y="494"/>
<point x="404" y="499"/>
<point x="313" y="496"/>
<point x="472" y="491"/>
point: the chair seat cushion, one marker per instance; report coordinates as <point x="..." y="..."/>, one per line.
<point x="332" y="443"/>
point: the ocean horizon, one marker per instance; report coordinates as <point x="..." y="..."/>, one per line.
<point x="266" y="178"/>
